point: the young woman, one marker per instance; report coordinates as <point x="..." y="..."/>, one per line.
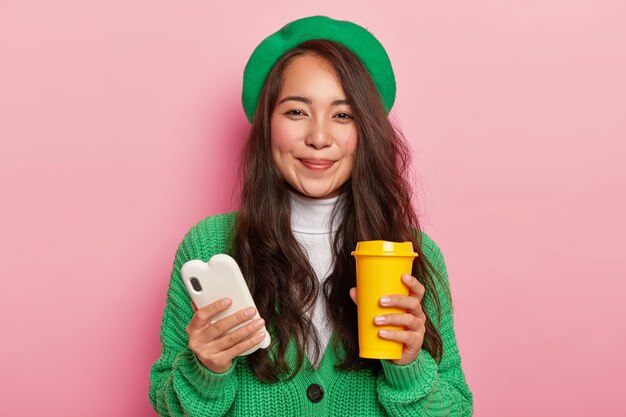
<point x="323" y="168"/>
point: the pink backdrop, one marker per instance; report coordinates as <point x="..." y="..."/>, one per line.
<point x="120" y="126"/>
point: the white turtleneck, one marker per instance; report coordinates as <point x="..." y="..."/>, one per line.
<point x="312" y="229"/>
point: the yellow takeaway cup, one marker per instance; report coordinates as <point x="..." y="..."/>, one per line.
<point x="379" y="268"/>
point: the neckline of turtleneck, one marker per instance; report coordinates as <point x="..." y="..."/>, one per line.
<point x="312" y="215"/>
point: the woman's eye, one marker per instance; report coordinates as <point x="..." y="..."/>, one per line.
<point x="295" y="113"/>
<point x="344" y="116"/>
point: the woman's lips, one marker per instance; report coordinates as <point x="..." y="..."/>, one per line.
<point x="317" y="164"/>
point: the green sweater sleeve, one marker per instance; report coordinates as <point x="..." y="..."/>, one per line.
<point x="179" y="384"/>
<point x="424" y="387"/>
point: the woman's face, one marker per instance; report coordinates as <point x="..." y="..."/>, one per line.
<point x="313" y="132"/>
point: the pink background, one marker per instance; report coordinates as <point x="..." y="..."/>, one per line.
<point x="120" y="127"/>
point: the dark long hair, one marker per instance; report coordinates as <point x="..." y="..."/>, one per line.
<point x="374" y="204"/>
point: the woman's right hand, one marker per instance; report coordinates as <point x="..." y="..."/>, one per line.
<point x="215" y="349"/>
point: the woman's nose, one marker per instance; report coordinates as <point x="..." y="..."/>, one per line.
<point x="319" y="136"/>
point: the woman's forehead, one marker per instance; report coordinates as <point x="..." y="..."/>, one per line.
<point x="311" y="77"/>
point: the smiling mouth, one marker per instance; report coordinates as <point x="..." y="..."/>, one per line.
<point x="317" y="164"/>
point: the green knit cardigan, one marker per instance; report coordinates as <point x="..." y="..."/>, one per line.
<point x="181" y="386"/>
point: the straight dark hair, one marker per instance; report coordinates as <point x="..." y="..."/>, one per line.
<point x="374" y="204"/>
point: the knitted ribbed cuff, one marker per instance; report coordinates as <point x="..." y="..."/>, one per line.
<point x="418" y="375"/>
<point x="199" y="375"/>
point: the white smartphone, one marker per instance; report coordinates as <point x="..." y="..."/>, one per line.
<point x="207" y="282"/>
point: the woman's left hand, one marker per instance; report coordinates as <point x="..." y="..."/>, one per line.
<point x="414" y="320"/>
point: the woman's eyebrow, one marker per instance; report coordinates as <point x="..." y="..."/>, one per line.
<point x="307" y="100"/>
<point x="296" y="98"/>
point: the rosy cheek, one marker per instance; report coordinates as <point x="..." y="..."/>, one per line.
<point x="350" y="142"/>
<point x="282" y="134"/>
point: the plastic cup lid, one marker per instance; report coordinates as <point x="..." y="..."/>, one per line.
<point x="384" y="248"/>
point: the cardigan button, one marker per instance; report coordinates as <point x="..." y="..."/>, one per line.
<point x="315" y="393"/>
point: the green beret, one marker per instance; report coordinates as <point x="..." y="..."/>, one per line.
<point x="354" y="37"/>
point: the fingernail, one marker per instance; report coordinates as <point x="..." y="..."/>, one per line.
<point x="226" y="302"/>
<point x="259" y="336"/>
<point x="260" y="323"/>
<point x="385" y="300"/>
<point x="383" y="332"/>
<point x="249" y="311"/>
<point x="406" y="278"/>
<point x="379" y="319"/>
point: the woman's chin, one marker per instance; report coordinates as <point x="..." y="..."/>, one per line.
<point x="319" y="192"/>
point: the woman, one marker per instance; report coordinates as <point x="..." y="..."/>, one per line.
<point x="323" y="168"/>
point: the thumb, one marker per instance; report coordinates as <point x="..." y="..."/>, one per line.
<point x="353" y="294"/>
